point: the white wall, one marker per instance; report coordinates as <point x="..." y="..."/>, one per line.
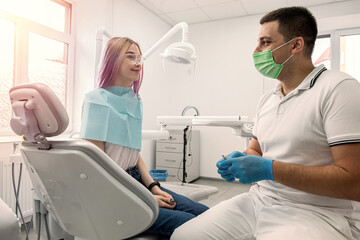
<point x="226" y="82"/>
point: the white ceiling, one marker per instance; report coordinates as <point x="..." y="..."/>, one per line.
<point x="197" y="11"/>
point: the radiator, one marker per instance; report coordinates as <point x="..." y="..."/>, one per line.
<point x="7" y="193"/>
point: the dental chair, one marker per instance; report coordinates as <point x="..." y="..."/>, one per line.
<point x="83" y="189"/>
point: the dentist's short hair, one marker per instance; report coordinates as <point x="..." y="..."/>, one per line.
<point x="295" y="22"/>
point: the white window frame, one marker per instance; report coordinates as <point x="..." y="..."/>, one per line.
<point x="335" y="45"/>
<point x="23" y="27"/>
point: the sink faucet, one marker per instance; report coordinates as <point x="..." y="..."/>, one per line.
<point x="187" y="108"/>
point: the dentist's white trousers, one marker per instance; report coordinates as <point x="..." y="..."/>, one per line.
<point x="255" y="216"/>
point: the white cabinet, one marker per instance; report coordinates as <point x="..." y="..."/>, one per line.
<point x="169" y="155"/>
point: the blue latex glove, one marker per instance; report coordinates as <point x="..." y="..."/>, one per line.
<point x="249" y="169"/>
<point x="223" y="170"/>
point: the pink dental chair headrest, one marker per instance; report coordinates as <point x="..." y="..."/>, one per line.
<point x="37" y="111"/>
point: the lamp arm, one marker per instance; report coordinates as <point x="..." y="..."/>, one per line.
<point x="169" y="34"/>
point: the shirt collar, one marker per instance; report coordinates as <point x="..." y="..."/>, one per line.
<point x="308" y="82"/>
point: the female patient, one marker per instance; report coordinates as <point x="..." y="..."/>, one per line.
<point x="112" y="117"/>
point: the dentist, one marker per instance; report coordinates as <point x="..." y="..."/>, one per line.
<point x="304" y="156"/>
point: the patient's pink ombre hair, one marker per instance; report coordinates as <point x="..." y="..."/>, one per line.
<point x="110" y="63"/>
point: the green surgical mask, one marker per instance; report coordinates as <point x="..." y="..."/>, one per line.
<point x="265" y="64"/>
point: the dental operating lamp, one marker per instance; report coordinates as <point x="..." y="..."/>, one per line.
<point x="179" y="52"/>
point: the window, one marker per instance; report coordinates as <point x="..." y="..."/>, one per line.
<point x="350" y="55"/>
<point x="47" y="63"/>
<point x="6" y="70"/>
<point x="340" y="51"/>
<point x="37" y="45"/>
<point x="322" y="51"/>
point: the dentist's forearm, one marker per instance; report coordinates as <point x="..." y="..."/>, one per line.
<point x="330" y="181"/>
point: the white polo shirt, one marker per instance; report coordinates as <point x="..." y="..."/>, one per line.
<point x="300" y="128"/>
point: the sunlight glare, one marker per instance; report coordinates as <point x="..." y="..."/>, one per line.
<point x="7" y="49"/>
<point x="46" y="12"/>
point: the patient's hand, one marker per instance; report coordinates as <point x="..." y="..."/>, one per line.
<point x="164" y="199"/>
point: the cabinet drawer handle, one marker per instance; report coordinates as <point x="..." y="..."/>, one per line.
<point x="169" y="160"/>
<point x="171" y="175"/>
<point x="170" y="147"/>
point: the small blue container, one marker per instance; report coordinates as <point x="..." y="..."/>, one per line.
<point x="158" y="174"/>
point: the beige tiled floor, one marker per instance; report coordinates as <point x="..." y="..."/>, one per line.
<point x="226" y="191"/>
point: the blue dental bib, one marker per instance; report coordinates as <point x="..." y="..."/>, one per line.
<point x="112" y="114"/>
